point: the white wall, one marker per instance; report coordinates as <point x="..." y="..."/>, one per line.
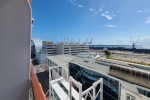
<point x="15" y="31"/>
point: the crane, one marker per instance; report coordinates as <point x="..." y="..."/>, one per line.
<point x="134" y="42"/>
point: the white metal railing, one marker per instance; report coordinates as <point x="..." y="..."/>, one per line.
<point x="90" y="92"/>
<point x="78" y="84"/>
<point x="55" y="73"/>
<point x="60" y="71"/>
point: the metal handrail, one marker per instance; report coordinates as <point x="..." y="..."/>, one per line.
<point x="37" y="88"/>
<point x="72" y="81"/>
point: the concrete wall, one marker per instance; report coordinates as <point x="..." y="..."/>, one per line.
<point x="60" y="49"/>
<point x="15" y="31"/>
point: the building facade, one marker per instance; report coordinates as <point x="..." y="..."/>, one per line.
<point x="51" y="48"/>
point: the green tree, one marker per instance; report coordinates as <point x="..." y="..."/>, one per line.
<point x="108" y="54"/>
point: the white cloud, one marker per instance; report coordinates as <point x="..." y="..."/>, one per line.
<point x="37" y="42"/>
<point x="143" y="11"/>
<point x="140" y="11"/>
<point x="107" y="16"/>
<point x="76" y="4"/>
<point x="111" y="26"/>
<point x="91" y="9"/>
<point x="73" y="2"/>
<point x="100" y="9"/>
<point x="104" y="13"/>
<point x="94" y="11"/>
<point x="147" y="21"/>
<point x="80" y="6"/>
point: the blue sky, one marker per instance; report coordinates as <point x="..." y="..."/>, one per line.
<point x="106" y="21"/>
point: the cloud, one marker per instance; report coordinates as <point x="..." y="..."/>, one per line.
<point x="37" y="42"/>
<point x="143" y="11"/>
<point x="104" y="13"/>
<point x="73" y="2"/>
<point x="94" y="11"/>
<point x="107" y="16"/>
<point x="100" y="9"/>
<point x="147" y="21"/>
<point x="91" y="9"/>
<point x="140" y="11"/>
<point x="76" y="4"/>
<point x="111" y="26"/>
<point x="80" y="6"/>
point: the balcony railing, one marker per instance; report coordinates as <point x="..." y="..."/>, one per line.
<point x="36" y="86"/>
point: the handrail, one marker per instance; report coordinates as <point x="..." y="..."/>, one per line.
<point x="37" y="88"/>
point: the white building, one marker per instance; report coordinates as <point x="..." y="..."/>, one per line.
<point x="51" y="48"/>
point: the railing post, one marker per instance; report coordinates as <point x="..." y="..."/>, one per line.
<point x="101" y="89"/>
<point x="94" y="94"/>
<point x="62" y="71"/>
<point x="50" y="91"/>
<point x="67" y="70"/>
<point x="70" y="88"/>
<point x="80" y="91"/>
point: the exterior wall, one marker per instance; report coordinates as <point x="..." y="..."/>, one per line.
<point x="49" y="48"/>
<point x="125" y="92"/>
<point x="66" y="49"/>
<point x="15" y="32"/>
<point x="75" y="49"/>
<point x="72" y="49"/>
<point x="62" y="48"/>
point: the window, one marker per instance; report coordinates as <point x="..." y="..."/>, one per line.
<point x="130" y="97"/>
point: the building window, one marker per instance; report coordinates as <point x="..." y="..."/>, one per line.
<point x="130" y="97"/>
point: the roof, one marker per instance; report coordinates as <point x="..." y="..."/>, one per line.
<point x="61" y="59"/>
<point x="103" y="69"/>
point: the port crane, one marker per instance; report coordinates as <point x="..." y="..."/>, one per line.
<point x="134" y="42"/>
<point x="90" y="42"/>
